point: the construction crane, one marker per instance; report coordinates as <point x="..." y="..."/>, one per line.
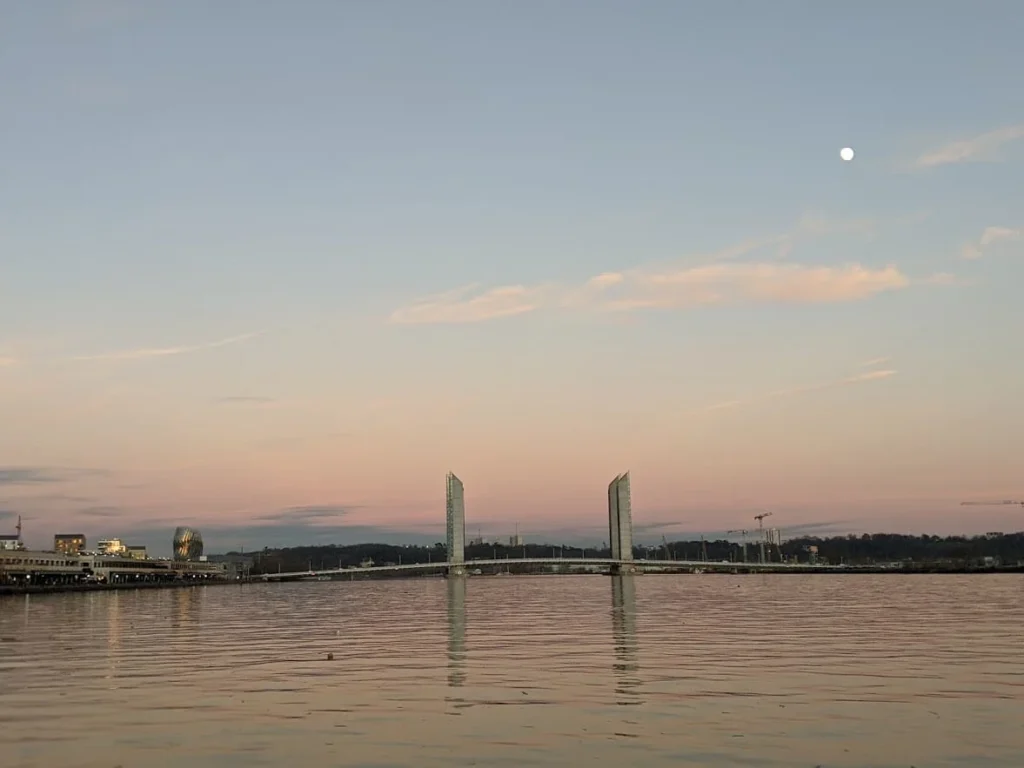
<point x="1003" y="503"/>
<point x="743" y="540"/>
<point x="760" y="526"/>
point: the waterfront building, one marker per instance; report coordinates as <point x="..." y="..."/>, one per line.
<point x="455" y="495"/>
<point x="112" y="547"/>
<point x="23" y="566"/>
<point x="136" y="552"/>
<point x="620" y="518"/>
<point x="188" y="544"/>
<point x="69" y="543"/>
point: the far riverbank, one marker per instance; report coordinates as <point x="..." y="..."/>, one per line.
<point x="42" y="589"/>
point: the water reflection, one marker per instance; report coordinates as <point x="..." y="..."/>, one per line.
<point x="626" y="665"/>
<point x="456" y="631"/>
<point x="115" y="608"/>
<point x="880" y="670"/>
<point x="186" y="606"/>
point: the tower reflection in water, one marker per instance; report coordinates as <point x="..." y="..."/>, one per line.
<point x="186" y="607"/>
<point x="627" y="665"/>
<point x="456" y="631"/>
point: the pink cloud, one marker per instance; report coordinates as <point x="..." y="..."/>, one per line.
<point x="714" y="284"/>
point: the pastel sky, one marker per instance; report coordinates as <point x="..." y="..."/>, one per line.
<point x="271" y="269"/>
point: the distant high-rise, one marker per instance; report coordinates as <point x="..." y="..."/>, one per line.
<point x="68" y="543"/>
<point x="456" y="519"/>
<point x="620" y="518"/>
<point x="188" y="544"/>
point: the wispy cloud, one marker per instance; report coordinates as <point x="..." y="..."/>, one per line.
<point x="824" y="528"/>
<point x="813" y="226"/>
<point x="991" y="236"/>
<point x="779" y="393"/>
<point x="7" y="361"/>
<point x="460" y="306"/>
<point x="719" y="284"/>
<point x="874" y="362"/>
<point x="944" y="278"/>
<point x="978" y="148"/>
<point x="27" y="476"/>
<point x="808" y="227"/>
<point x="139" y="354"/>
<point x="721" y="279"/>
<point x="21" y="475"/>
<point x="102" y="512"/>
<point x="308" y="514"/>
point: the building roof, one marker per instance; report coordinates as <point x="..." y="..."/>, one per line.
<point x="69" y="535"/>
<point x="9" y="537"/>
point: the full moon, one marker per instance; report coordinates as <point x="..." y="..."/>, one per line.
<point x="846" y="153"/>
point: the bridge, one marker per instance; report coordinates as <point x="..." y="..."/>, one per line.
<point x="620" y="537"/>
<point x="619" y="565"/>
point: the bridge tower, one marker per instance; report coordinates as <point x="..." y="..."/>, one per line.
<point x="456" y="523"/>
<point x="620" y="524"/>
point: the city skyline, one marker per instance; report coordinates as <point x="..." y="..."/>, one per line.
<point x="275" y="287"/>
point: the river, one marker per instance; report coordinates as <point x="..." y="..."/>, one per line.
<point x="655" y="670"/>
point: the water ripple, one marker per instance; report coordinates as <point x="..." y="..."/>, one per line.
<point x="529" y="671"/>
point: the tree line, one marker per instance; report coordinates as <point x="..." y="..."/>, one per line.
<point x="865" y="549"/>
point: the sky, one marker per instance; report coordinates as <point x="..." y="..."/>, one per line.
<point x="272" y="269"/>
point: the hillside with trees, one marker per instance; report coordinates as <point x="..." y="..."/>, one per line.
<point x="866" y="549"/>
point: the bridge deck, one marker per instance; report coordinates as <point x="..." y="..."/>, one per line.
<point x="575" y="561"/>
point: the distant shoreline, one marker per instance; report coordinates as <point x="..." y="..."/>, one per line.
<point x="45" y="589"/>
<point x="370" y="575"/>
<point x="13" y="590"/>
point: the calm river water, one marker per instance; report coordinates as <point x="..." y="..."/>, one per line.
<point x="694" y="670"/>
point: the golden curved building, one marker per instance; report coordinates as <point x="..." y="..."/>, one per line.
<point x="188" y="544"/>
